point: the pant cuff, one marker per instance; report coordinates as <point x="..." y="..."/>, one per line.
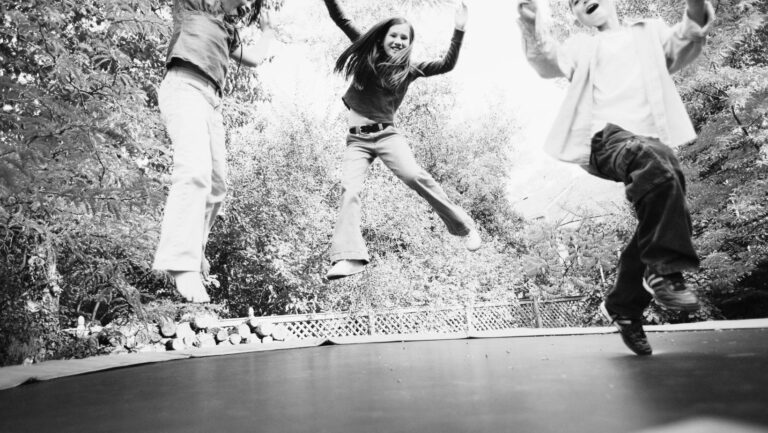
<point x="177" y="265"/>
<point x="671" y="268"/>
<point x="350" y="255"/>
<point x="635" y="312"/>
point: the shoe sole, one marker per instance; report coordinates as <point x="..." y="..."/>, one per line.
<point x="689" y="308"/>
<point x="340" y="276"/>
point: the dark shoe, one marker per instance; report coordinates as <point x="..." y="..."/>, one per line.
<point x="670" y="291"/>
<point x="631" y="331"/>
<point x="345" y="268"/>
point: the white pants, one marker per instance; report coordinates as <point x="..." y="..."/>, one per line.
<point x="191" y="111"/>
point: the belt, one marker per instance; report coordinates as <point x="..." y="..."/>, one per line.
<point x="369" y="129"/>
<point x="194" y="74"/>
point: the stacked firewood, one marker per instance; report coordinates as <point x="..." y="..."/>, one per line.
<point x="194" y="330"/>
<point x="207" y="331"/>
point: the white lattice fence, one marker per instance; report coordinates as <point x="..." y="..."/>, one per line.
<point x="496" y="317"/>
<point x="413" y="321"/>
<point x="480" y="317"/>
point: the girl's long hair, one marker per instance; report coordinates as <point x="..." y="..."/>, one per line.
<point x="247" y="17"/>
<point x="366" y="62"/>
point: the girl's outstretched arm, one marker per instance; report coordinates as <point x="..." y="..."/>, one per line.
<point x="448" y="62"/>
<point x="342" y="21"/>
<point x="252" y="55"/>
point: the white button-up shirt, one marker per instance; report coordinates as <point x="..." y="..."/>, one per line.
<point x="661" y="49"/>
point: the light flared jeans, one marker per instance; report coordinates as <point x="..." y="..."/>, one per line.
<point x="191" y="111"/>
<point x="393" y="149"/>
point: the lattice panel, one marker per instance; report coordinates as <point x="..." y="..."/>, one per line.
<point x="559" y="314"/>
<point x="426" y="321"/>
<point x="526" y="315"/>
<point x="326" y="328"/>
<point x="495" y="317"/>
<point x="483" y="317"/>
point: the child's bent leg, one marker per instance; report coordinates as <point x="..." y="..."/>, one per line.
<point x="348" y="242"/>
<point x="656" y="187"/>
<point x="664" y="221"/>
<point x="398" y="157"/>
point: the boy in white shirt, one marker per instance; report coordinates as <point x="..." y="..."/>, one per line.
<point x="620" y="116"/>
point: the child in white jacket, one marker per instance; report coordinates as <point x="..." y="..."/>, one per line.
<point x="620" y="119"/>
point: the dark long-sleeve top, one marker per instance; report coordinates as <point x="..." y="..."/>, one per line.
<point x="375" y="101"/>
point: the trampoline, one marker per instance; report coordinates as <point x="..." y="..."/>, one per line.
<point x="703" y="381"/>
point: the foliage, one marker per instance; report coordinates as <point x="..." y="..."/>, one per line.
<point x="84" y="165"/>
<point x="81" y="154"/>
<point x="728" y="165"/>
<point x="270" y="249"/>
<point x="725" y="93"/>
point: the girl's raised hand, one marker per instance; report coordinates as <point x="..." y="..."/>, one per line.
<point x="461" y="16"/>
<point x="527" y="11"/>
<point x="265" y="21"/>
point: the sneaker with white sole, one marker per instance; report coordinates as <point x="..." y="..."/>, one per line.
<point x="631" y="331"/>
<point x="345" y="268"/>
<point x="670" y="291"/>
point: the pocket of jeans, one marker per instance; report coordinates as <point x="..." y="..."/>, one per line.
<point x="631" y="149"/>
<point x="596" y="155"/>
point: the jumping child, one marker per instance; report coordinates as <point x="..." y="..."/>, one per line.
<point x="620" y="116"/>
<point x="205" y="36"/>
<point x="379" y="64"/>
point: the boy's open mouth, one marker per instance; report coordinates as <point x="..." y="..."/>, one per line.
<point x="591" y="8"/>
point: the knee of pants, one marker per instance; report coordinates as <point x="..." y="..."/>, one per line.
<point x="653" y="167"/>
<point x="218" y="192"/>
<point x="417" y="179"/>
<point x="350" y="194"/>
<point x="196" y="177"/>
<point x="351" y="187"/>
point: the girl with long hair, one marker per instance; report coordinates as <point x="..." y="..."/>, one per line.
<point x="205" y="36"/>
<point x="379" y="64"/>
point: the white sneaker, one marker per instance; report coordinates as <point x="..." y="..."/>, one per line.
<point x="189" y="284"/>
<point x="345" y="268"/>
<point x="472" y="240"/>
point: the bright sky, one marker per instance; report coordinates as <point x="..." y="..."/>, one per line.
<point x="491" y="66"/>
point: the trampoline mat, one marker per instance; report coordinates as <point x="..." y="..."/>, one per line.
<point x="585" y="383"/>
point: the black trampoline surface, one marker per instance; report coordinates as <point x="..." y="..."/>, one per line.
<point x="585" y="383"/>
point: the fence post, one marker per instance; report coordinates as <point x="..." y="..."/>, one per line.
<point x="537" y="312"/>
<point x="469" y="311"/>
<point x="371" y="323"/>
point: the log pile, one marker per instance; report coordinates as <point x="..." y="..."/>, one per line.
<point x="192" y="331"/>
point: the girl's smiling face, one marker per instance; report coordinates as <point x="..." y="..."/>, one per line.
<point x="398" y="38"/>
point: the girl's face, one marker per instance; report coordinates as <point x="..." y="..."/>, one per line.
<point x="398" y="38"/>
